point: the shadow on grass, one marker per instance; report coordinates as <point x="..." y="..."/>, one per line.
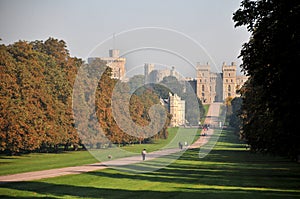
<point x="230" y="173"/>
<point x="220" y="169"/>
<point x="21" y="197"/>
<point x="49" y="190"/>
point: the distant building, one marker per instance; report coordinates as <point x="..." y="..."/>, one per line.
<point x="115" y="62"/>
<point x="155" y="76"/>
<point x="177" y="110"/>
<point x="216" y="87"/>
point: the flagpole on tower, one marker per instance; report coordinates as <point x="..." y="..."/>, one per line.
<point x="114" y="41"/>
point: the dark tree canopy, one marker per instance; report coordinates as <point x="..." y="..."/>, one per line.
<point x="271" y="59"/>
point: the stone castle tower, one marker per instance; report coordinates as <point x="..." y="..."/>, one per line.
<point x="115" y="62"/>
<point x="209" y="84"/>
<point x="177" y="110"/>
<point x="148" y="68"/>
<point x="229" y="80"/>
<point x="216" y="87"/>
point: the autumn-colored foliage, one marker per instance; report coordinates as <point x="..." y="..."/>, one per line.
<point x="36" y="96"/>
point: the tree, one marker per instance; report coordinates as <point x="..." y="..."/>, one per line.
<point x="145" y="98"/>
<point x="234" y="119"/>
<point x="194" y="109"/>
<point x="135" y="82"/>
<point x="35" y="94"/>
<point x="269" y="115"/>
<point x="173" y="84"/>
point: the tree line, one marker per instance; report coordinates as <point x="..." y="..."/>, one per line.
<point x="36" y="88"/>
<point x="267" y="111"/>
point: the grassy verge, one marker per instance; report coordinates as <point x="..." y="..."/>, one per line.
<point x="176" y="135"/>
<point x="206" y="107"/>
<point x="228" y="171"/>
<point x="42" y="161"/>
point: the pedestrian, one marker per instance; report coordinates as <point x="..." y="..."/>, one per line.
<point x="180" y="145"/>
<point x="144" y="152"/>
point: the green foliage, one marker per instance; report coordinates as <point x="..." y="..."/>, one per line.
<point x="270" y="59"/>
<point x="136" y="82"/>
<point x="234" y="117"/>
<point x="173" y="84"/>
<point x="194" y="110"/>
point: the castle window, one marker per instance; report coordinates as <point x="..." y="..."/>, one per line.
<point x="229" y="88"/>
<point x="202" y="87"/>
<point x="229" y="74"/>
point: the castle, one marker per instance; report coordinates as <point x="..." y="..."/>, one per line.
<point x="154" y="76"/>
<point x="209" y="86"/>
<point x="115" y="62"/>
<point x="217" y="87"/>
<point x="176" y="107"/>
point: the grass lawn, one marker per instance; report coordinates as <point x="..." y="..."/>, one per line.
<point x="206" y="107"/>
<point x="175" y="135"/>
<point x="228" y="171"/>
<point x="42" y="161"/>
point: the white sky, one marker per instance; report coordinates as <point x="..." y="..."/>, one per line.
<point x="198" y="30"/>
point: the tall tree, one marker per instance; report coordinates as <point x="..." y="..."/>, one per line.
<point x="35" y="94"/>
<point x="269" y="58"/>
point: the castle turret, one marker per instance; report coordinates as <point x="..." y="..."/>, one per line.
<point x="148" y="68"/>
<point x="116" y="63"/>
<point x="203" y="82"/>
<point x="229" y="80"/>
<point x="176" y="109"/>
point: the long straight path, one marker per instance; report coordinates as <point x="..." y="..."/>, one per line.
<point x="212" y="114"/>
<point x="212" y="119"/>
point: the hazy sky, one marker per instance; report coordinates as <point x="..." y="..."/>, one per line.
<point x="182" y="31"/>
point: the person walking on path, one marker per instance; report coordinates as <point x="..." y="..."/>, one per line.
<point x="180" y="145"/>
<point x="144" y="152"/>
